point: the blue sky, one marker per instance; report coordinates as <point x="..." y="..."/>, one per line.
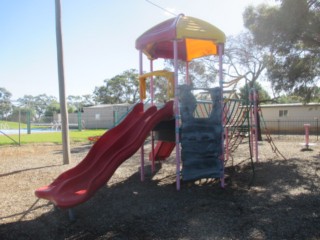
<point x="98" y="38"/>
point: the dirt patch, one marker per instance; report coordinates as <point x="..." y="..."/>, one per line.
<point x="271" y="199"/>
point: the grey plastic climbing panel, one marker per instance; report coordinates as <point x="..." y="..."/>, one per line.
<point x="201" y="138"/>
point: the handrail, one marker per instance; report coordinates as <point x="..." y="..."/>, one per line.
<point x="161" y="73"/>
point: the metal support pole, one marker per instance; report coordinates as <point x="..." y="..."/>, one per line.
<point x="29" y="121"/>
<point x="62" y="94"/>
<point x="142" y="147"/>
<point x="19" y="126"/>
<point x="306" y="130"/>
<point x="220" y="51"/>
<point x="177" y="114"/>
<point x="79" y="120"/>
<point x="317" y="129"/>
<point x="151" y="84"/>
<point x="255" y="109"/>
<point x="251" y="129"/>
<point x="152" y="103"/>
<point x="227" y="142"/>
<point x="71" y="214"/>
<point x="226" y="135"/>
<point x="188" y="82"/>
<point x="278" y="128"/>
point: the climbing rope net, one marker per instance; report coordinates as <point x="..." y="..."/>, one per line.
<point x="243" y="120"/>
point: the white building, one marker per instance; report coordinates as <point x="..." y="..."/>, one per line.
<point x="291" y="117"/>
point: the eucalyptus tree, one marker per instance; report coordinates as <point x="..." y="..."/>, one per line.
<point x="119" y="89"/>
<point x="202" y="72"/>
<point x="244" y="60"/>
<point x="77" y="102"/>
<point x="37" y="105"/>
<point x="291" y="33"/>
<point x="5" y="102"/>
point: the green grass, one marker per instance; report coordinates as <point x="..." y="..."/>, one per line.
<point x="12" y="125"/>
<point x="52" y="137"/>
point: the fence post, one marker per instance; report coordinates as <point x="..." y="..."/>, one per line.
<point x="306" y="129"/>
<point x="278" y="128"/>
<point x="29" y="122"/>
<point x="317" y="128"/>
<point x="19" y="126"/>
<point x="317" y="119"/>
<point x="79" y="120"/>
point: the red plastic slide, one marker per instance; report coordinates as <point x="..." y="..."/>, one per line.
<point x="162" y="150"/>
<point x="78" y="184"/>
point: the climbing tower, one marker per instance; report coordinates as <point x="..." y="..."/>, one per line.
<point x="184" y="39"/>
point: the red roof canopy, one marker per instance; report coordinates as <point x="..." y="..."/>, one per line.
<point x="197" y="38"/>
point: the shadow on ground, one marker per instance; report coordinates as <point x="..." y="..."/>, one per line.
<point x="29" y="169"/>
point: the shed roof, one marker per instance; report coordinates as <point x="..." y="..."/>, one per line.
<point x="289" y="105"/>
<point x="108" y="105"/>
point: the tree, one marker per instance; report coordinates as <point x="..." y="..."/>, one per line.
<point x="87" y="100"/>
<point x="289" y="98"/>
<point x="51" y="110"/>
<point x="262" y="93"/>
<point x="243" y="58"/>
<point x="130" y="86"/>
<point x="76" y="103"/>
<point x="292" y="98"/>
<point x="263" y="96"/>
<point x="73" y="103"/>
<point x="38" y="105"/>
<point x="119" y="89"/>
<point x="160" y="89"/>
<point x="5" y="102"/>
<point x="290" y="31"/>
<point x="202" y="71"/>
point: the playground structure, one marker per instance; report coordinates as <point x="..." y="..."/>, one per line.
<point x="194" y="129"/>
<point x="186" y="38"/>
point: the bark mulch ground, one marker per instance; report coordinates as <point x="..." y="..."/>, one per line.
<point x="274" y="198"/>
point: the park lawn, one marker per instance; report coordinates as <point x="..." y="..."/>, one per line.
<point x="51" y="137"/>
<point x="12" y="125"/>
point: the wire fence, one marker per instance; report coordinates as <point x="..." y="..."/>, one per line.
<point x="289" y="128"/>
<point x="108" y="117"/>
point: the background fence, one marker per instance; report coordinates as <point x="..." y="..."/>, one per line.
<point x="108" y="116"/>
<point x="292" y="127"/>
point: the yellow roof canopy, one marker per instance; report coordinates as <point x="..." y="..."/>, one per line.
<point x="197" y="38"/>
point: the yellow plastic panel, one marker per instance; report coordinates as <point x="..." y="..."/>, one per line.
<point x="196" y="48"/>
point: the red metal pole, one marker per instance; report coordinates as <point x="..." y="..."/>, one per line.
<point x="306" y="129"/>
<point x="251" y="122"/>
